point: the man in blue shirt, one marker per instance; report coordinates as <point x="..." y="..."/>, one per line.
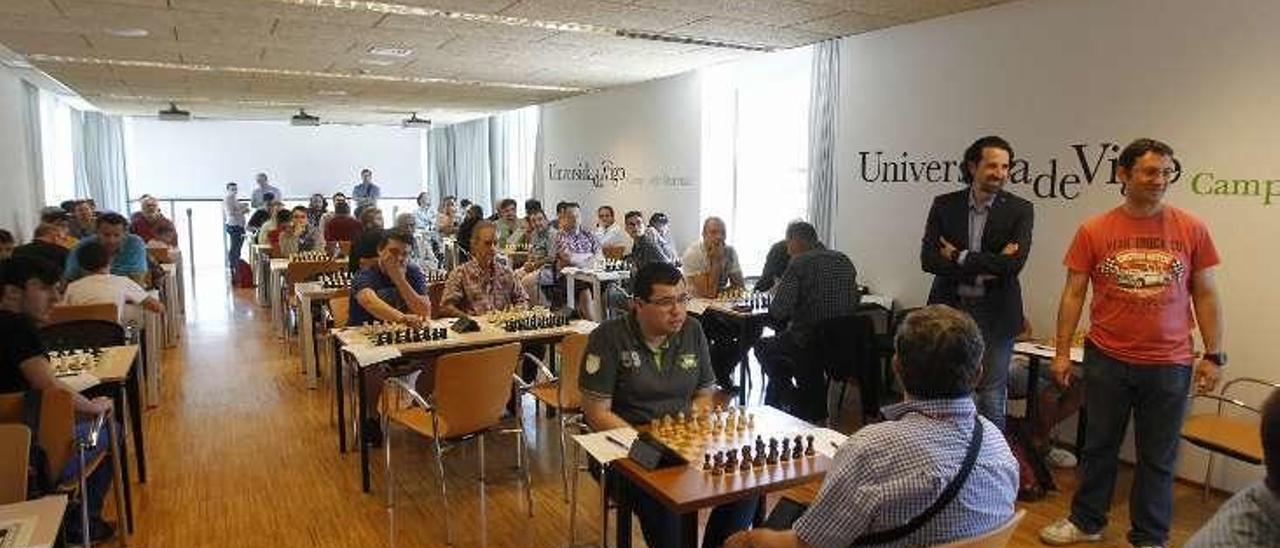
<point x="393" y="289"/>
<point x="128" y="252"/>
<point x="258" y="199"/>
<point x="366" y="193"/>
<point x="886" y="474"/>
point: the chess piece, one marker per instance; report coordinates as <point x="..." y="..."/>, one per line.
<point x="786" y="450"/>
<point x="706" y="462"/>
<point x="751" y="421"/>
<point x="797" y="447"/>
<point x="718" y="468"/>
<point x="731" y="461"/>
<point x="772" y="458"/>
<point x="808" y="449"/>
<point x="680" y="418"/>
<point x="746" y="458"/>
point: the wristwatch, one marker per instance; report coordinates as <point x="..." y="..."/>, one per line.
<point x="1218" y="358"/>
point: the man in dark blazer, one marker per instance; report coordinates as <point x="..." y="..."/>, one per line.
<point x="975" y="243"/>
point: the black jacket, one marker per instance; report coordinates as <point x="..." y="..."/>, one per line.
<point x="1010" y="220"/>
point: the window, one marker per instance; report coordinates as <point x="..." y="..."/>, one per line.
<point x="56" y="149"/>
<point x="755" y="167"/>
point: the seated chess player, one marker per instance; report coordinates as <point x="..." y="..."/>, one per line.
<point x="483" y="284"/>
<point x="45" y="245"/>
<point x="1252" y="516"/>
<point x="888" y="473"/>
<point x="819" y="284"/>
<point x="391" y="289"/>
<point x="535" y="271"/>
<point x="711" y="266"/>
<point x="576" y="246"/>
<point x="647" y="364"/>
<point x="300" y="236"/>
<point x="128" y="251"/>
<point x="99" y="286"/>
<point x="28" y="290"/>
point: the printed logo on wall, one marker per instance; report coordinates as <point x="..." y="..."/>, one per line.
<point x="1055" y="179"/>
<point x="610" y="174"/>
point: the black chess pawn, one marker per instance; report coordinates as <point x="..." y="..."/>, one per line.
<point x="746" y="458"/>
<point x="731" y="461"/>
<point x="808" y="448"/>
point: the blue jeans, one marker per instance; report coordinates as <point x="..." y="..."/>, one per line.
<point x="991" y="393"/>
<point x="661" y="527"/>
<point x="1156" y="395"/>
<point x="99" y="480"/>
<point x="236" y="234"/>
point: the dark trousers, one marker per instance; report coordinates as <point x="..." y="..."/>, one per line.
<point x="725" y="339"/>
<point x="236" y="235"/>
<point x="661" y="527"/>
<point x="795" y="384"/>
<point x="991" y="393"/>
<point x="1156" y="395"/>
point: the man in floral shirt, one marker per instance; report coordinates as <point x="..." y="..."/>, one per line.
<point x="482" y="284"/>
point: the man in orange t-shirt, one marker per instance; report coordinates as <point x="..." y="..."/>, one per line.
<point x="1148" y="263"/>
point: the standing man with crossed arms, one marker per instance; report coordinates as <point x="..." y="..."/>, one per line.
<point x="1148" y="263"/>
<point x="975" y="244"/>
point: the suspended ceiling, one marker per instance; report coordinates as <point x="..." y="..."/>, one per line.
<point x="374" y="62"/>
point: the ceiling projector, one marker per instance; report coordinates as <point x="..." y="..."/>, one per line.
<point x="413" y="121"/>
<point x="174" y="114"/>
<point x="304" y="119"/>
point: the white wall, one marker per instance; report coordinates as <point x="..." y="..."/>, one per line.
<point x="19" y="209"/>
<point x="198" y="158"/>
<point x="645" y="139"/>
<point x="1048" y="74"/>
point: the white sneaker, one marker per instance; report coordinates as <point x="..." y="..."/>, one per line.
<point x="1063" y="532"/>
<point x="1060" y="458"/>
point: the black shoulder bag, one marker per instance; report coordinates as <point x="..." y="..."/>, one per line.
<point x="39" y="479"/>
<point x="948" y="494"/>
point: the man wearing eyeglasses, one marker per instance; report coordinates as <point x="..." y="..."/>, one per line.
<point x="1148" y="263"/>
<point x="482" y="284"/>
<point x="645" y="365"/>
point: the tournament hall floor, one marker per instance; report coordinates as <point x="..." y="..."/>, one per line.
<point x="241" y="453"/>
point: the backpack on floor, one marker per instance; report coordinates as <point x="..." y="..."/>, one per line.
<point x="244" y="275"/>
<point x="1034" y="478"/>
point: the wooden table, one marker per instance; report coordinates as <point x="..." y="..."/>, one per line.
<point x="118" y="377"/>
<point x="152" y="341"/>
<point x="310" y="296"/>
<point x="171" y="293"/>
<point x="686" y="489"/>
<point x="45" y="514"/>
<point x="349" y="340"/>
<point x="1036" y="353"/>
<point x="593" y="277"/>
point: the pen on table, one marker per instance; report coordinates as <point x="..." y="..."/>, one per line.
<point x="617" y="442"/>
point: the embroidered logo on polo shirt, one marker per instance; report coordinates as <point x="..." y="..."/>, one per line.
<point x="630" y="359"/>
<point x="592" y="364"/>
<point x="688" y="361"/>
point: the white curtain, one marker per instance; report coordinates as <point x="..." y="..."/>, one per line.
<point x="99" y="159"/>
<point x="486" y="160"/>
<point x="824" y="91"/>
<point x="28" y="203"/>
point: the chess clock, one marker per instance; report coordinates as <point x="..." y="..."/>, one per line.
<point x="652" y="454"/>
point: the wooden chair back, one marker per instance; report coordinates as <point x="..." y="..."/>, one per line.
<point x="305" y="271"/>
<point x="340" y="309"/>
<point x="57" y="424"/>
<point x="472" y="388"/>
<point x="82" y="334"/>
<point x="571" y="349"/>
<point x="15" y="452"/>
<point x="63" y="313"/>
<point x="996" y="538"/>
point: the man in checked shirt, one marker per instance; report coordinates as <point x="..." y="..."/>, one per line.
<point x="888" y="473"/>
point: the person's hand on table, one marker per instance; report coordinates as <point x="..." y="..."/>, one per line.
<point x="1206" y="376"/>
<point x="413" y="320"/>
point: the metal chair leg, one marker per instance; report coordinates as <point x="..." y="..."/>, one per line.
<point x="564" y="456"/>
<point x="84" y="498"/>
<point x="604" y="506"/>
<point x="1208" y="475"/>
<point x="444" y="492"/>
<point x="523" y="463"/>
<point x="117" y="474"/>
<point x="480" y="446"/>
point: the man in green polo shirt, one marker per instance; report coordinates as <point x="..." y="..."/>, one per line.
<point x="647" y="364"/>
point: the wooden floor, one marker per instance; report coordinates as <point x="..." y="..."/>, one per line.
<point x="241" y="453"/>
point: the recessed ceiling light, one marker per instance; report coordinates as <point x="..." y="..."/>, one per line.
<point x="129" y="32"/>
<point x="332" y="92"/>
<point x="377" y="62"/>
<point x="390" y="51"/>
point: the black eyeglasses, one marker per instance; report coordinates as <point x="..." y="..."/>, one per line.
<point x="671" y="302"/>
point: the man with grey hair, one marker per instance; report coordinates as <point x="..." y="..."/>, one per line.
<point x="934" y="472"/>
<point x="258" y="198"/>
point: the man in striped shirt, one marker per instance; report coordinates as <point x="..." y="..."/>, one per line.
<point x="888" y="473"/>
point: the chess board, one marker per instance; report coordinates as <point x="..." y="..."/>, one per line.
<point x="526" y="319"/>
<point x="387" y="334"/>
<point x="614" y="265"/>
<point x="335" y="280"/>
<point x="436" y="276"/>
<point x="67" y="363"/>
<point x="745" y="300"/>
<point x="522" y="247"/>
<point x="726" y="442"/>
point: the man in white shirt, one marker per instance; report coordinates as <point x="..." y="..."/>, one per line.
<point x="258" y="198"/>
<point x="615" y="241"/>
<point x="233" y="212"/>
<point x="99" y="286"/>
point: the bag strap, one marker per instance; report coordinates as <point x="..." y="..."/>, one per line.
<point x="948" y="494"/>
